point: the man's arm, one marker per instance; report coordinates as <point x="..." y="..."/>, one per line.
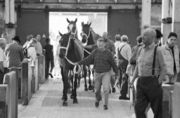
<point x="135" y="75"/>
<point x="113" y="64"/>
<point x="21" y="53"/>
<point x="1" y="61"/>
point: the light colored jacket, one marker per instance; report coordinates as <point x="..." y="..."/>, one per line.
<point x="168" y="58"/>
<point x="126" y="50"/>
<point x="32" y="54"/>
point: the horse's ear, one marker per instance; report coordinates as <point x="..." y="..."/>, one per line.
<point x="89" y="24"/>
<point x="60" y="33"/>
<point x="67" y="20"/>
<point x="75" y="20"/>
<point x="82" y="23"/>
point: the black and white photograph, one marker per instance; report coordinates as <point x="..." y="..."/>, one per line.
<point x="89" y="59"/>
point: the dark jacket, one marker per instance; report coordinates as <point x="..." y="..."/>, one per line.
<point x="14" y="54"/>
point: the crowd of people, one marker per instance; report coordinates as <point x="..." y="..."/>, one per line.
<point x="149" y="62"/>
<point x="12" y="55"/>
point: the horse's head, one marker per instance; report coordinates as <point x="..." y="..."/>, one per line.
<point x="87" y="37"/>
<point x="70" y="48"/>
<point x="72" y="26"/>
<point x="64" y="40"/>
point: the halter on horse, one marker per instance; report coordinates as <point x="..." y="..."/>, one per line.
<point x="70" y="52"/>
<point x="89" y="39"/>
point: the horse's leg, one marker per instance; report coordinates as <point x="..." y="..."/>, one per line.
<point x="90" y="84"/>
<point x="85" y="75"/>
<point x="93" y="78"/>
<point x="75" y="101"/>
<point x="69" y="82"/>
<point x="72" y="84"/>
<point x="65" y="85"/>
<point x="62" y="75"/>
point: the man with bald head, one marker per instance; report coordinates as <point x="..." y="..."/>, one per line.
<point x="150" y="70"/>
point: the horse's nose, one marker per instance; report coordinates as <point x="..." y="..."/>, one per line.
<point x="83" y="40"/>
<point x="74" y="29"/>
<point x="81" y="34"/>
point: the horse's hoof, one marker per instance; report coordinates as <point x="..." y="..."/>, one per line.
<point x="86" y="89"/>
<point x="75" y="101"/>
<point x="26" y="101"/>
<point x="91" y="87"/>
<point x="72" y="97"/>
<point x="65" y="103"/>
<point x="63" y="98"/>
<point x="113" y="90"/>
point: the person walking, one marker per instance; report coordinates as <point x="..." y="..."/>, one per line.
<point x="123" y="57"/>
<point x="103" y="61"/>
<point x="117" y="43"/>
<point x="110" y="46"/>
<point x="49" y="58"/>
<point x="150" y="70"/>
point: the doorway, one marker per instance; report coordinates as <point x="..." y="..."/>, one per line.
<point x="58" y="23"/>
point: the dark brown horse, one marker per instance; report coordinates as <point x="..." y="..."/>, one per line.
<point x="89" y="40"/>
<point x="71" y="51"/>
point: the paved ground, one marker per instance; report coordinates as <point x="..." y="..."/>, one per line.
<point x="46" y="103"/>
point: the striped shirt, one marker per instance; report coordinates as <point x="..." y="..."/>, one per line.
<point x="102" y="59"/>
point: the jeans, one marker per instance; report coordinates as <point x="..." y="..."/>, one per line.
<point x="104" y="80"/>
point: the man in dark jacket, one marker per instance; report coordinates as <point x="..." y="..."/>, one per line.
<point x="49" y="58"/>
<point x="14" y="53"/>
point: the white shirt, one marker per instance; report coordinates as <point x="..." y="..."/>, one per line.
<point x="126" y="50"/>
<point x="32" y="54"/>
<point x="38" y="48"/>
<point x="3" y="57"/>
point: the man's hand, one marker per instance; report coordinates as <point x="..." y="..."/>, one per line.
<point x="131" y="83"/>
<point x="164" y="80"/>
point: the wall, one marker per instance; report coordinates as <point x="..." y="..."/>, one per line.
<point x="124" y="22"/>
<point x="32" y="22"/>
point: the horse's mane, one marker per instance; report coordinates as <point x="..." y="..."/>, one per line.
<point x="95" y="35"/>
